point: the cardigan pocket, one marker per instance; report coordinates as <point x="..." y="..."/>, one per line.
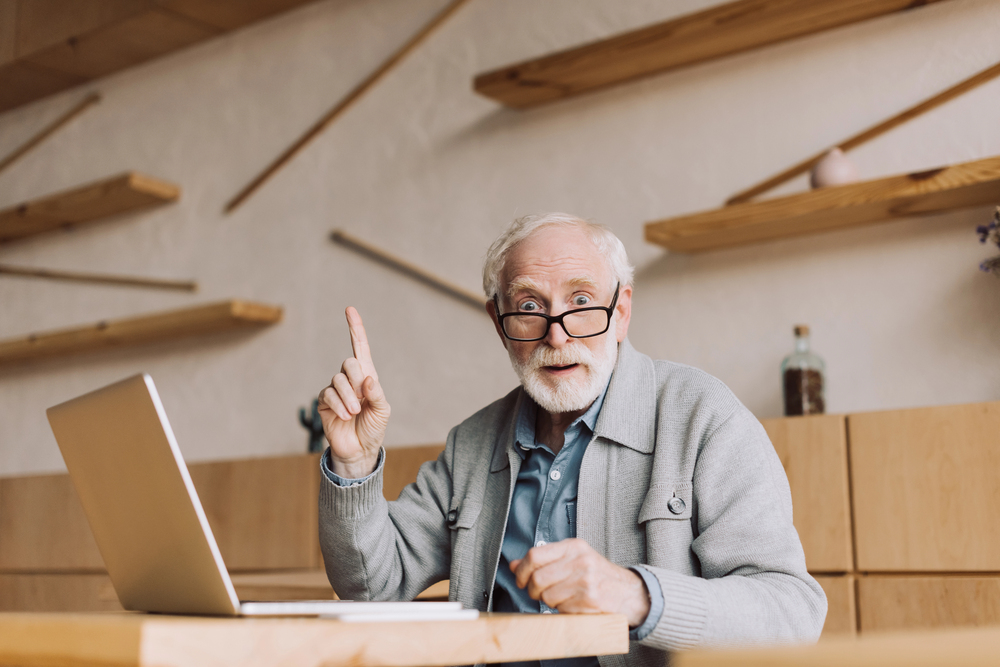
<point x="667" y="501"/>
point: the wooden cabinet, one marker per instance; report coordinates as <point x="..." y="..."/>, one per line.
<point x="896" y="602"/>
<point x="402" y="465"/>
<point x="43" y="527"/>
<point x="926" y="486"/>
<point x="263" y="512"/>
<point x="813" y="451"/>
<point x="57" y="592"/>
<point x="842" y="612"/>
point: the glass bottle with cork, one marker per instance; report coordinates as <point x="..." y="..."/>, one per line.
<point x="803" y="375"/>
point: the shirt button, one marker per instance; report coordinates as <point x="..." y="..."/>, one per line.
<point x="547" y="611"/>
<point x="555" y="475"/>
<point x="675" y="505"/>
<point x="540" y="543"/>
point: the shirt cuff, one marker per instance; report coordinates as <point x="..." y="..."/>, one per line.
<point x="655" y="605"/>
<point x="325" y="465"/>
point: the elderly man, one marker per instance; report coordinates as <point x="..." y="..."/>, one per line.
<point x="606" y="482"/>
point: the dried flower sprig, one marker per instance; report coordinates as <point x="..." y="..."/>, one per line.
<point x="991" y="233"/>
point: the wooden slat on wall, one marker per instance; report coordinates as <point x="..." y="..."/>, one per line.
<point x="926" y="488"/>
<point x="264" y="512"/>
<point x="177" y="324"/>
<point x="842" y="612"/>
<point x="718" y="31"/>
<point x="828" y="209"/>
<point x="910" y="602"/>
<point x="88" y="203"/>
<point x="813" y="451"/>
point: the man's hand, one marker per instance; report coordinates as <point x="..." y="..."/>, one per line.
<point x="573" y="578"/>
<point x="353" y="409"/>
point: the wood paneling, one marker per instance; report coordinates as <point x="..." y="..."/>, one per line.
<point x="813" y="451"/>
<point x="402" y="465"/>
<point x="30" y="640"/>
<point x="122" y="44"/>
<point x="263" y="512"/>
<point x="43" y="527"/>
<point x="926" y="488"/>
<point x="723" y="30"/>
<point x="229" y="14"/>
<point x="8" y="32"/>
<point x="45" y="23"/>
<point x="57" y="592"/>
<point x="169" y="325"/>
<point x="828" y="209"/>
<point x="966" y="647"/>
<point x="124" y="193"/>
<point x="907" y="602"/>
<point x="51" y="45"/>
<point x="22" y="82"/>
<point x="842" y="612"/>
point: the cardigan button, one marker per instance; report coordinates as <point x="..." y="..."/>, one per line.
<point x="676" y="505"/>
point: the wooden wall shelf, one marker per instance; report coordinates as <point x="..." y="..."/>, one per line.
<point x="719" y="31"/>
<point x="92" y="202"/>
<point x="169" y="325"/>
<point x="827" y="209"/>
<point x="46" y="47"/>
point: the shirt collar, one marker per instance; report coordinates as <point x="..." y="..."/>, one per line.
<point x="524" y="434"/>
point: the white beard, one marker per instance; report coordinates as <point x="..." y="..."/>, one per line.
<point x="557" y="395"/>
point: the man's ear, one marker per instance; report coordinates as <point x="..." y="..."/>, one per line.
<point x="624" y="311"/>
<point x="492" y="312"/>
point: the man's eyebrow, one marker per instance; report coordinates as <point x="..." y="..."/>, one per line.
<point x="519" y="284"/>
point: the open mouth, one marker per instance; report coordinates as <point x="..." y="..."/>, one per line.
<point x="561" y="369"/>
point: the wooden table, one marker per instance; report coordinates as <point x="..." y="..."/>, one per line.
<point x="964" y="647"/>
<point x="122" y="639"/>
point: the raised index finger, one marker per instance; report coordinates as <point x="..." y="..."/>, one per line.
<point x="359" y="340"/>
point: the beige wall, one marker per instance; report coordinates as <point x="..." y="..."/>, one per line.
<point x="432" y="172"/>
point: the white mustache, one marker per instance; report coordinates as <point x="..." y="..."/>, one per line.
<point x="567" y="356"/>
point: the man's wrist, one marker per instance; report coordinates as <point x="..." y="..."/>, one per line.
<point x="638" y="600"/>
<point x="353" y="469"/>
<point x="326" y="465"/>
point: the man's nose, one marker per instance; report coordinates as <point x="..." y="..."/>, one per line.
<point x="557" y="336"/>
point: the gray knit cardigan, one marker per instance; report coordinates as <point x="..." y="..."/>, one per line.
<point x="730" y="562"/>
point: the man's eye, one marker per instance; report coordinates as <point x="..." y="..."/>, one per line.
<point x="529" y="306"/>
<point x="581" y="300"/>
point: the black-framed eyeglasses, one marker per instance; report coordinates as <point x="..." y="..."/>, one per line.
<point x="577" y="323"/>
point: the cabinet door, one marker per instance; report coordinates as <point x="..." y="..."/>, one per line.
<point x="841" y="614"/>
<point x="926" y="486"/>
<point x="813" y="451"/>
<point x="898" y="602"/>
<point x="43" y="527"/>
<point x="263" y="512"/>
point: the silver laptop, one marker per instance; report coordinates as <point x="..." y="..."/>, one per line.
<point x="149" y="524"/>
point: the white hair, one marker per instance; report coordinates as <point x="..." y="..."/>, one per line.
<point x="609" y="246"/>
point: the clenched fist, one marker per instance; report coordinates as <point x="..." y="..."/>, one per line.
<point x="353" y="408"/>
<point x="570" y="576"/>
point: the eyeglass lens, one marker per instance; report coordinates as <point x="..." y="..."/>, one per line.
<point x="579" y="324"/>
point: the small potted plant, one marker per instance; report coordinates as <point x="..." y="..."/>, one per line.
<point x="991" y="233"/>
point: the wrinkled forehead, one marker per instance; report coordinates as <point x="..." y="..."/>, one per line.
<point x="555" y="257"/>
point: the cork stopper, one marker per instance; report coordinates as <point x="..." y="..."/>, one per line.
<point x="801" y="330"/>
